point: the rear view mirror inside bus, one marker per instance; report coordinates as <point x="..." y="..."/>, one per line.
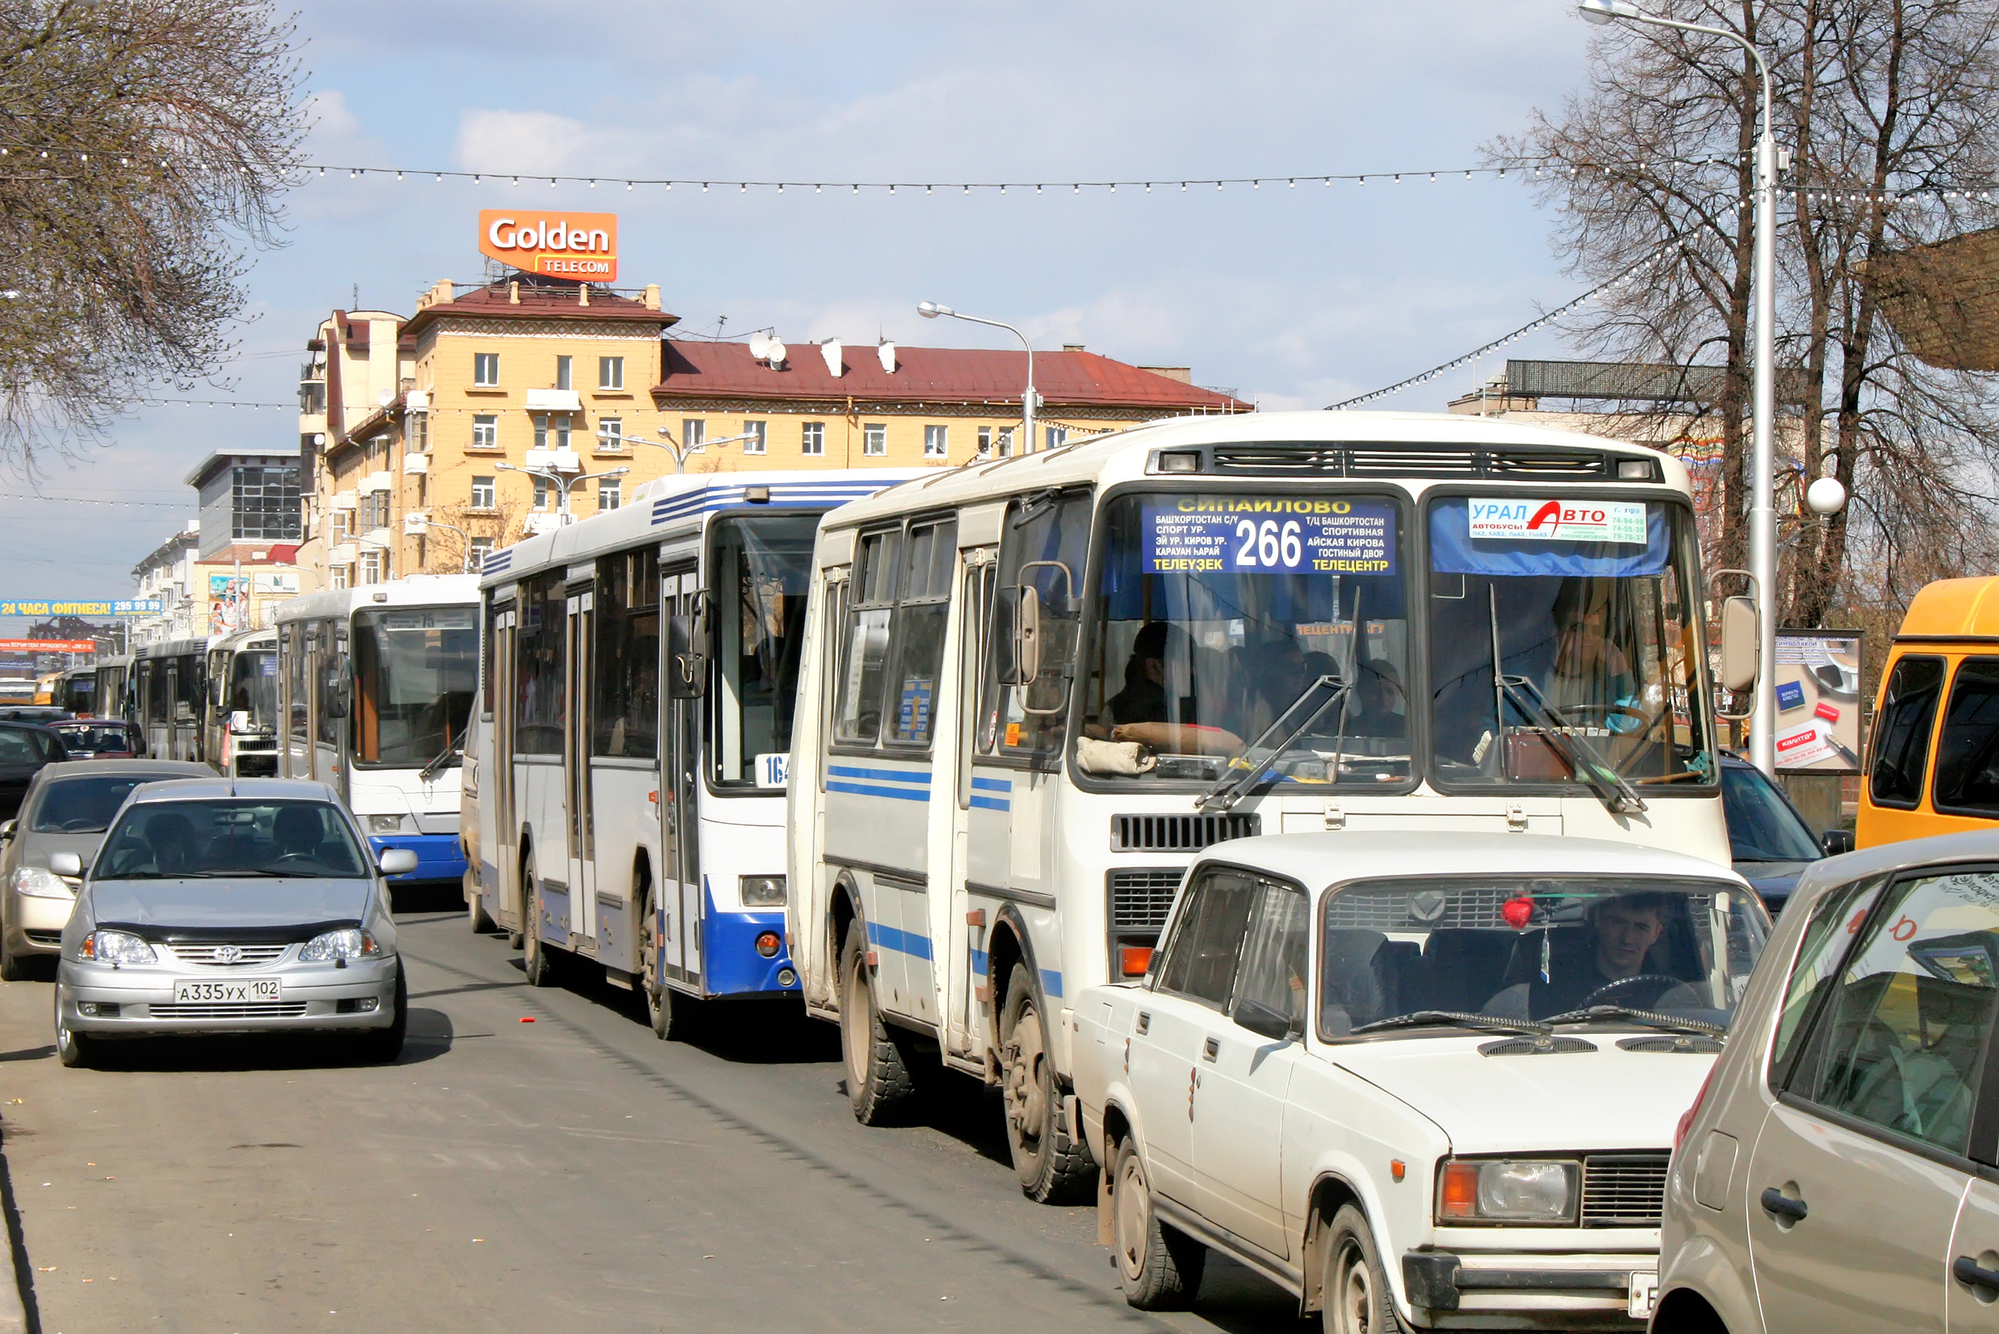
<point x="1019" y="634"/>
<point x="686" y="668"/>
<point x="1738" y="644"/>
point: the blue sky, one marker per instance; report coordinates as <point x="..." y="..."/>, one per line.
<point x="1291" y="297"/>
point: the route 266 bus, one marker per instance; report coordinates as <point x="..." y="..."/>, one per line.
<point x="1034" y="688"/>
<point x="635" y="728"/>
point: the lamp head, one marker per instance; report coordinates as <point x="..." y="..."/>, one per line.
<point x="1825" y="496"/>
<point x="930" y="310"/>
<point x="1606" y="11"/>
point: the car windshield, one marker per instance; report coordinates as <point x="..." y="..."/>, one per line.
<point x="94" y="737"/>
<point x="1528" y="949"/>
<point x="84" y="805"/>
<point x="167" y="840"/>
<point x="1762" y="827"/>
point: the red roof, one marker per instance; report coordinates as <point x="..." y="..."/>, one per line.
<point x="538" y="302"/>
<point x="928" y="374"/>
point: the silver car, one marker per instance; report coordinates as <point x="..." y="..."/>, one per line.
<point x="220" y="906"/>
<point x="67" y="809"/>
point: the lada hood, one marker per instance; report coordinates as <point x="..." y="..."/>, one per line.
<point x="1586" y="1101"/>
<point x="250" y="902"/>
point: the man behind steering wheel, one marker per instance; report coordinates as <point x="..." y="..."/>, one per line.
<point x="1612" y="970"/>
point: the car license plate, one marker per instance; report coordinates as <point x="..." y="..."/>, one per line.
<point x="249" y="991"/>
<point x="1642" y="1294"/>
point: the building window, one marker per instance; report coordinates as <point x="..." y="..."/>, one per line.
<point x="610" y="493"/>
<point x="562" y="372"/>
<point x="339" y="573"/>
<point x="935" y="441"/>
<point x="1056" y="437"/>
<point x="264" y="504"/>
<point x="814" y="438"/>
<point x="485" y="431"/>
<point x="416" y="433"/>
<point x="338" y="525"/>
<point x="756" y="435"/>
<point x="541" y="490"/>
<point x="482" y="493"/>
<point x="610" y="372"/>
<point x="693" y="431"/>
<point x="874" y="438"/>
<point x="551" y="430"/>
<point x="485" y="370"/>
<point x="985" y="441"/>
<point x="371" y="565"/>
<point x="611" y="434"/>
<point x="1006" y="442"/>
<point x="481" y="547"/>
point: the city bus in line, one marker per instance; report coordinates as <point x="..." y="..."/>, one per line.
<point x="374" y="693"/>
<point x="48" y="686"/>
<point x="110" y="680"/>
<point x="169" y="697"/>
<point x="77" y="692"/>
<point x="240" y="736"/>
<point x="1033" y="688"/>
<point x="1933" y="761"/>
<point x="635" y="729"/>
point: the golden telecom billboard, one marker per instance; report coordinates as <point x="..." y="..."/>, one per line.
<point x="582" y="246"/>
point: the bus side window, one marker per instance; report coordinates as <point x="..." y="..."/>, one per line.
<point x="918" y="637"/>
<point x="626" y="700"/>
<point x="1967" y="777"/>
<point x="1044" y="545"/>
<point x="1902" y="732"/>
<point x="864" y="647"/>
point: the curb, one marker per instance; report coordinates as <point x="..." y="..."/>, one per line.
<point x="17" y="1296"/>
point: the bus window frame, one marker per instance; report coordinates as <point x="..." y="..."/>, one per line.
<point x="1939" y="722"/>
<point x="1879" y="731"/>
<point x="1062" y="757"/>
<point x="882" y="746"/>
<point x="711" y="704"/>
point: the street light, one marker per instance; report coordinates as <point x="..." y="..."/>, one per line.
<point x="562" y="484"/>
<point x="930" y="310"/>
<point x="680" y="452"/>
<point x="465" y="539"/>
<point x="1763" y="464"/>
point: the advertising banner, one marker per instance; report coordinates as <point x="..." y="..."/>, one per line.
<point x="1269" y="535"/>
<point x="1818" y="701"/>
<point x="1571" y="520"/>
<point x="582" y="246"/>
<point x="48" y="646"/>
<point x="52" y="607"/>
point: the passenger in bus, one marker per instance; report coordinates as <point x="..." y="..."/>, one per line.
<point x="1158" y="707"/>
<point x="1274" y="674"/>
<point x="1614" y="966"/>
<point x="1376" y="691"/>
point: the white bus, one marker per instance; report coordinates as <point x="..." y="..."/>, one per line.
<point x="241" y="736"/>
<point x="375" y="689"/>
<point x="1033" y="689"/>
<point x="641" y="668"/>
<point x="169" y="696"/>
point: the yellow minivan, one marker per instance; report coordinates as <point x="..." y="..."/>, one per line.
<point x="1926" y="776"/>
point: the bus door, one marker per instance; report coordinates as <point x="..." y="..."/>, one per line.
<point x="679" y="797"/>
<point x="981" y="849"/>
<point x="581" y="605"/>
<point x="496" y="773"/>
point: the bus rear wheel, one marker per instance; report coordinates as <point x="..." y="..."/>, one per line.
<point x="881" y="1078"/>
<point x="1053" y="1167"/>
<point x="535" y="960"/>
<point x="475" y="908"/>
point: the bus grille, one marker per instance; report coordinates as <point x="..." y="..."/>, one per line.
<point x="1179" y="833"/>
<point x="1376" y="459"/>
<point x="1140" y="900"/>
<point x="1624" y="1190"/>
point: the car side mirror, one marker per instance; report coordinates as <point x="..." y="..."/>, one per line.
<point x="66" y="864"/>
<point x="6" y="831"/>
<point x="686" y="668"/>
<point x="1266" y="1021"/>
<point x="396" y="861"/>
<point x="1837" y="841"/>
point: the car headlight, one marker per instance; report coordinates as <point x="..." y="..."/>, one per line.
<point x="332" y="945"/>
<point x="41" y="883"/>
<point x="762" y="891"/>
<point x="116" y="947"/>
<point x="385" y="824"/>
<point x="1508" y="1190"/>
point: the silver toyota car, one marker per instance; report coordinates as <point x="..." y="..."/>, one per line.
<point x="219" y="906"/>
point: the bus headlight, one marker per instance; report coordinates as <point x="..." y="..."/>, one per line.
<point x="762" y="891"/>
<point x="385" y="824"/>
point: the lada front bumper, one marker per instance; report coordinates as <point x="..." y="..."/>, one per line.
<point x="1569" y="1290"/>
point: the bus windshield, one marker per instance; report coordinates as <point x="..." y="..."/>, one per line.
<point x="1219" y="611"/>
<point x="253" y="687"/>
<point x="415" y="669"/>
<point x="1586" y="606"/>
<point x="761" y="568"/>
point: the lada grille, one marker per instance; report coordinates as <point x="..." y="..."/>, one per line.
<point x="1179" y="833"/>
<point x="1140" y="900"/>
<point x="1400" y="910"/>
<point x="1624" y="1189"/>
<point x="229" y="1010"/>
<point x="226" y="954"/>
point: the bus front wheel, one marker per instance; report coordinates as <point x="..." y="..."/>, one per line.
<point x="1053" y="1167"/>
<point x="672" y="1016"/>
<point x="881" y="1078"/>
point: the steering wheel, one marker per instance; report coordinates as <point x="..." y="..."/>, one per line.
<point x="294" y="857"/>
<point x="1607" y="712"/>
<point x="1667" y="983"/>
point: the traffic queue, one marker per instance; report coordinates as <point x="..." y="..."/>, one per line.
<point x="1331" y="865"/>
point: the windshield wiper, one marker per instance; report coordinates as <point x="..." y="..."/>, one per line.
<point x="1453" y="1019"/>
<point x="1651" y="1018"/>
<point x="441" y="763"/>
<point x="1233" y="786"/>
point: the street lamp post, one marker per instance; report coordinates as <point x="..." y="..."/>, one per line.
<point x="562" y="484"/>
<point x="930" y="310"/>
<point x="681" y="452"/>
<point x="1763" y="462"/>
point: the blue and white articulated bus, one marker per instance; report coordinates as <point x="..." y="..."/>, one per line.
<point x="375" y="689"/>
<point x="641" y="669"/>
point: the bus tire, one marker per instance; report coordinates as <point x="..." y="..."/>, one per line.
<point x="475" y="912"/>
<point x="881" y="1079"/>
<point x="1053" y="1168"/>
<point x="535" y="959"/>
<point x="1159" y="1267"/>
<point x="672" y="1016"/>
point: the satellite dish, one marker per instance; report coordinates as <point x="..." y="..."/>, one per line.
<point x="760" y="345"/>
<point x="774" y="353"/>
<point x="830" y="349"/>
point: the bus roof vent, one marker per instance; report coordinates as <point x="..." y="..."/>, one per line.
<point x="1565" y="465"/>
<point x="1431" y="462"/>
<point x="1280" y="460"/>
<point x="1179" y="833"/>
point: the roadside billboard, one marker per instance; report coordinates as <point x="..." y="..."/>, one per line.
<point x="582" y="246"/>
<point x="57" y="607"/>
<point x="1818" y="701"/>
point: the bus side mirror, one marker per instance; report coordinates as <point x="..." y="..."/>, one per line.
<point x="1020" y="627"/>
<point x="686" y="669"/>
<point x="1739" y="644"/>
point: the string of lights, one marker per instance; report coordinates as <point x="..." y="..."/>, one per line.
<point x="93" y="500"/>
<point x="1629" y="275"/>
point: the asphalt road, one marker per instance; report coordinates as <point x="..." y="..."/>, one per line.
<point x="570" y="1173"/>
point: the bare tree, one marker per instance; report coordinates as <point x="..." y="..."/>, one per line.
<point x="1889" y="112"/>
<point x="143" y="145"/>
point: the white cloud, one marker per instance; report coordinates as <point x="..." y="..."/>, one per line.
<point x="540" y="142"/>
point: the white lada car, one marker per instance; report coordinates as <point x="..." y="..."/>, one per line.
<point x="1433" y="1078"/>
